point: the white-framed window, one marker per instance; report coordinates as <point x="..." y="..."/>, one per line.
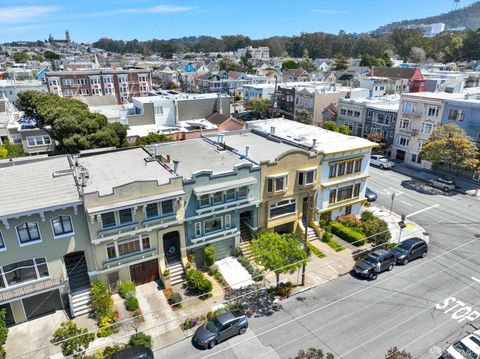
<point x="62" y="226"/>
<point x="34" y="141"/>
<point x="28" y="233"/>
<point x="345" y="168"/>
<point x="16" y="138"/>
<point x="2" y="242"/>
<point x="404" y="123"/>
<point x="198" y="229"/>
<point x="109" y="91"/>
<point x="67" y="82"/>
<point x="217" y="197"/>
<point x="420" y="144"/>
<point x="84" y="92"/>
<point x="159" y="209"/>
<point x="284" y="207"/>
<point x="143" y="88"/>
<point x="228" y="221"/>
<point x="212" y="225"/>
<point x="205" y="200"/>
<point x="125" y="247"/>
<point x="82" y="81"/>
<point x="69" y="92"/>
<point x="143" y="78"/>
<point x="409" y="107"/>
<point x="108" y="220"/>
<point x="426" y="128"/>
<point x="117" y="218"/>
<point x="107" y="79"/>
<point x="243" y="192"/>
<point x="403" y="141"/>
<point x="230" y="195"/>
<point x="94" y="80"/>
<point x="455" y="114"/>
<point x="125" y="216"/>
<point x="432" y="110"/>
<point x="277" y="183"/>
<point x="24" y="271"/>
<point x="96" y="91"/>
<point x="123" y="79"/>
<point x="53" y="82"/>
<point x="306" y="177"/>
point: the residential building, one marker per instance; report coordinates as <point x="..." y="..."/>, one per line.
<point x="221" y="195"/>
<point x="11" y="87"/>
<point x="465" y="113"/>
<point x="296" y="75"/>
<point x="257" y="53"/>
<point x="399" y="79"/>
<point x="381" y="118"/>
<point x="252" y="91"/>
<point x="352" y="114"/>
<point x="121" y="85"/>
<point x="45" y="255"/>
<point x="134" y="209"/>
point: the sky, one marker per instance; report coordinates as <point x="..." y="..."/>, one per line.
<point x="89" y="20"/>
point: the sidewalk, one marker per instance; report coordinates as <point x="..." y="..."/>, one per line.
<point x="411" y="230"/>
<point x="464" y="185"/>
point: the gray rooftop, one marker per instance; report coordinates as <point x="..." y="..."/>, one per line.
<point x="31" y="186"/>
<point x="117" y="168"/>
<point x="261" y="148"/>
<point x="198" y="155"/>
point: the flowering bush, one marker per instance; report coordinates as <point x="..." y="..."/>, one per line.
<point x="349" y="220"/>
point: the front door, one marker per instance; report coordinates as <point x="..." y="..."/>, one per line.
<point x="77" y="271"/>
<point x="400" y="155"/>
<point x="171" y="247"/>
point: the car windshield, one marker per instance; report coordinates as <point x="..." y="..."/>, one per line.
<point x="213" y="325"/>
<point x="370" y="260"/>
<point x="402" y="247"/>
<point x="465" y="351"/>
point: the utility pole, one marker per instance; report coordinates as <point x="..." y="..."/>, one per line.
<point x="391" y="205"/>
<point x="307" y="251"/>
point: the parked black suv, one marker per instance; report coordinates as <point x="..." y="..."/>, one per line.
<point x="410" y="249"/>
<point x="374" y="263"/>
<point x="135" y="352"/>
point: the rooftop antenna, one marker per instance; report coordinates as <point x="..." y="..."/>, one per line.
<point x="456" y="5"/>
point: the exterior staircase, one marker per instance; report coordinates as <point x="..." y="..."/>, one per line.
<point x="80" y="302"/>
<point x="245" y="249"/>
<point x="177" y="273"/>
<point x="311" y="234"/>
<point x="245" y="233"/>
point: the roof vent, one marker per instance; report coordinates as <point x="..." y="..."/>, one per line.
<point x="61" y="173"/>
<point x="175" y="166"/>
<point x="247" y="150"/>
<point x="272" y="130"/>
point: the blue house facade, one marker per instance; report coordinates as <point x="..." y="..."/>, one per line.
<point x="465" y="114"/>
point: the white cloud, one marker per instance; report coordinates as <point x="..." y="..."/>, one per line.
<point x="328" y="11"/>
<point x="19" y="14"/>
<point x="159" y="9"/>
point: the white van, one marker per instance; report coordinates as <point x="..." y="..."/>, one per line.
<point x="467" y="348"/>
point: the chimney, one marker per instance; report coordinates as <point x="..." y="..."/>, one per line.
<point x="219" y="104"/>
<point x="314" y="144"/>
<point x="169" y="159"/>
<point x="272" y="130"/>
<point x="175" y="166"/>
<point x="247" y="150"/>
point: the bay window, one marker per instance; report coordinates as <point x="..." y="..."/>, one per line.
<point x="284" y="207"/>
<point x="23" y="271"/>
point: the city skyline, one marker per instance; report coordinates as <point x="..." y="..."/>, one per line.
<point x="29" y="20"/>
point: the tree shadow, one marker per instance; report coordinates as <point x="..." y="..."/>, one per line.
<point x="424" y="188"/>
<point x="255" y="299"/>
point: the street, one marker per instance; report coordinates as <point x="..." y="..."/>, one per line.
<point x="419" y="308"/>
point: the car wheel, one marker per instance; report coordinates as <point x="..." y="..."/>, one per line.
<point x="382" y="167"/>
<point x="424" y="254"/>
<point x="430" y="184"/>
<point x="405" y="261"/>
<point x="390" y="267"/>
<point x="372" y="276"/>
<point x="242" y="330"/>
<point x="212" y="344"/>
<point x="446" y="189"/>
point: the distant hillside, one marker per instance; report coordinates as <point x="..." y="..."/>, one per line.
<point x="468" y="16"/>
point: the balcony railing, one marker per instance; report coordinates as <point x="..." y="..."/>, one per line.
<point x="28" y="288"/>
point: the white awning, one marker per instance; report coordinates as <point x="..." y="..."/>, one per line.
<point x="211" y="188"/>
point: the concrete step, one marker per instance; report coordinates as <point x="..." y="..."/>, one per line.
<point x="82" y="311"/>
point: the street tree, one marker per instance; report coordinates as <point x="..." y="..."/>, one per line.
<point x="395" y="353"/>
<point x="451" y="147"/>
<point x="344" y="129"/>
<point x="258" y="106"/>
<point x="313" y="353"/>
<point x="303" y="116"/>
<point x="289" y="64"/>
<point x="72" y="340"/>
<point x="280" y="253"/>
<point x="20" y="56"/>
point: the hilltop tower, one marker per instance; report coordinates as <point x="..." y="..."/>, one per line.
<point x="67" y="38"/>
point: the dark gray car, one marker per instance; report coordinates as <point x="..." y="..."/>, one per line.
<point x="374" y="263"/>
<point x="221" y="328"/>
<point x="409" y="250"/>
<point x="370" y="195"/>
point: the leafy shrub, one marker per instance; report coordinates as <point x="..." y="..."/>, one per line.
<point x="366" y="216"/>
<point x="376" y="230"/>
<point x="3" y="327"/>
<point x="349" y="220"/>
<point x="254" y="272"/>
<point x="126" y="289"/>
<point x="209" y="252"/>
<point x="166" y="272"/>
<point x="348" y="234"/>
<point x="175" y="299"/>
<point x="102" y="302"/>
<point x="326" y="236"/>
<point x="140" y="338"/>
<point x="72" y="339"/>
<point x="131" y="304"/>
<point x="106" y="327"/>
<point x="212" y="269"/>
<point x="3" y="353"/>
<point x="315" y="250"/>
<point x="110" y="350"/>
<point x="197" y="280"/>
<point x="189" y="323"/>
<point x="218" y="276"/>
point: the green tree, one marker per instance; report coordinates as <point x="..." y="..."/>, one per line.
<point x="289" y="64"/>
<point x="74" y="340"/>
<point x="39" y="58"/>
<point x="451" y="147"/>
<point x="341" y="63"/>
<point x="307" y="65"/>
<point x="12" y="150"/>
<point x="258" y="107"/>
<point x="140" y="338"/>
<point x="280" y="253"/>
<point x="228" y="64"/>
<point x="303" y="116"/>
<point x="153" y="137"/>
<point x="246" y="64"/>
<point x="20" y="56"/>
<point x="471" y="45"/>
<point x="50" y="55"/>
<point x="329" y="125"/>
<point x="344" y="129"/>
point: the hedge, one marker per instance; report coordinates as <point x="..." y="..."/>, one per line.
<point x="197" y="280"/>
<point x="315" y="250"/>
<point x="348" y="234"/>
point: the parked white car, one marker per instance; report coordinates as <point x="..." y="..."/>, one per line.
<point x="441" y="183"/>
<point x="381" y="161"/>
<point x="467" y="348"/>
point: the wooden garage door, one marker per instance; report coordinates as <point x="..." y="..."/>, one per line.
<point x="144" y="272"/>
<point x="42" y="304"/>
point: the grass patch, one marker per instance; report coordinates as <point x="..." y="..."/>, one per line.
<point x="329" y="241"/>
<point x="315" y="250"/>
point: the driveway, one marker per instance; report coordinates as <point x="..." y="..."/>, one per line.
<point x="234" y="273"/>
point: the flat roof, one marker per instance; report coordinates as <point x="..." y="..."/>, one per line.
<point x="31" y="186"/>
<point x="445" y="95"/>
<point x="261" y="148"/>
<point x="120" y="167"/>
<point x="198" y="155"/>
<point x="326" y="141"/>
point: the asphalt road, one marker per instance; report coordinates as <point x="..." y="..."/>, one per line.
<point x="420" y="307"/>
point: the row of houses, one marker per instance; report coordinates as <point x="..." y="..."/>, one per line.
<point x="131" y="213"/>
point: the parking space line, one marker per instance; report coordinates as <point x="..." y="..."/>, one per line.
<point x="421" y="210"/>
<point x="406" y="203"/>
<point x="476" y="279"/>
